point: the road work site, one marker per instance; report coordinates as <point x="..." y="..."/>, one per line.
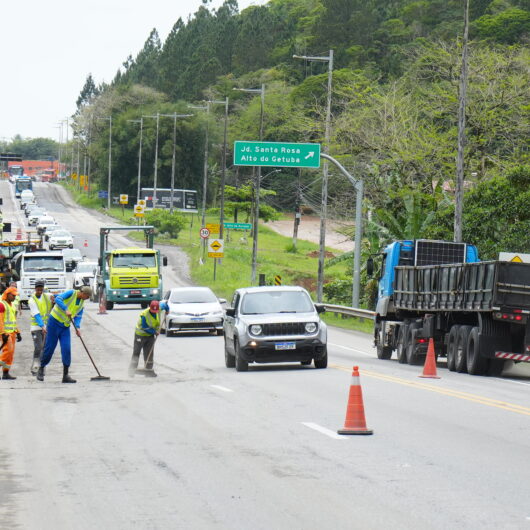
<point x="204" y="446"/>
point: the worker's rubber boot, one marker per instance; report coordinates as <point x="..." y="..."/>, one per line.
<point x="40" y="373"/>
<point x="7" y="375"/>
<point x="66" y="377"/>
<point x="35" y="366"/>
<point x="149" y="372"/>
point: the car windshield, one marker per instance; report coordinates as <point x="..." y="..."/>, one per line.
<point x="60" y="233"/>
<point x="192" y="296"/>
<point x="276" y="302"/>
<point x="133" y="260"/>
<point x="87" y="267"/>
<point x="43" y="263"/>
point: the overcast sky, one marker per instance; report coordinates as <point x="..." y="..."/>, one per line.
<point x="48" y="47"/>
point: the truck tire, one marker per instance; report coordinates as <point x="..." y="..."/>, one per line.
<point x="461" y="349"/>
<point x="383" y="352"/>
<point x="401" y="346"/>
<point x="412" y="357"/>
<point x="451" y="347"/>
<point x="476" y="364"/>
<point x="144" y="305"/>
<point x="109" y="305"/>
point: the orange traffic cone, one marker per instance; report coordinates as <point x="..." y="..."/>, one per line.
<point x="19" y="233"/>
<point x="355" y="422"/>
<point x="85" y="244"/>
<point x="429" y="368"/>
<point x="102" y="303"/>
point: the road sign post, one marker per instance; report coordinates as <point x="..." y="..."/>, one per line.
<point x="276" y="154"/>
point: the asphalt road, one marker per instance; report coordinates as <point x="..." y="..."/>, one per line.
<point x="202" y="446"/>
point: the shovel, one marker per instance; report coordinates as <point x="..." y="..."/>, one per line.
<point x="98" y="377"/>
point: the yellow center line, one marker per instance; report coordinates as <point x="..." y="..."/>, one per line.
<point x="512" y="407"/>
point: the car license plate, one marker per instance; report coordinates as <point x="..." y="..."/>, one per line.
<point x="135" y="292"/>
<point x="285" y="346"/>
<point x="197" y="319"/>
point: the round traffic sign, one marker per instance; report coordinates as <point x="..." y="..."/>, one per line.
<point x="204" y="233"/>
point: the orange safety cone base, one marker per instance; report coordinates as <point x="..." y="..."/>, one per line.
<point x="354" y="431"/>
<point x="430" y="376"/>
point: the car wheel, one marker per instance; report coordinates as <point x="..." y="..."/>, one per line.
<point x="51" y="247"/>
<point x="476" y="363"/>
<point x="70" y="246"/>
<point x="323" y="361"/>
<point x="461" y="349"/>
<point x="241" y="364"/>
<point x="230" y="360"/>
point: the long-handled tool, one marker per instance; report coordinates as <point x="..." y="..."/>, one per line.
<point x="145" y="371"/>
<point x="98" y="377"/>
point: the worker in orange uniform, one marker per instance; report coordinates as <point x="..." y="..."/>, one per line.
<point x="8" y="331"/>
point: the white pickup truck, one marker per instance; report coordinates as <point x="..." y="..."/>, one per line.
<point x="41" y="265"/>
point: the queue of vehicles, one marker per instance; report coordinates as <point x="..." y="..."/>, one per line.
<point x="265" y="324"/>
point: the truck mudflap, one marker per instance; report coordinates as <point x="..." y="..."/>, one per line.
<point x="520" y="357"/>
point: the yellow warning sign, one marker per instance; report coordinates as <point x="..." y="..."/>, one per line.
<point x="139" y="210"/>
<point x="215" y="248"/>
<point x="516" y="259"/>
<point x="213" y="227"/>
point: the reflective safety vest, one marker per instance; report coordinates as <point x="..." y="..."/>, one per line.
<point x="44" y="304"/>
<point x="10" y="318"/>
<point x="71" y="305"/>
<point x="152" y="322"/>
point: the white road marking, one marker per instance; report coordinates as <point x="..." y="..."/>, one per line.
<point x="223" y="388"/>
<point x="351" y="349"/>
<point x="511" y="381"/>
<point x="323" y="430"/>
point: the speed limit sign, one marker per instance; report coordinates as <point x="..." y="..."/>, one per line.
<point x="205" y="233"/>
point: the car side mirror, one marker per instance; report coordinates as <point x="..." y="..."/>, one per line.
<point x="320" y="308"/>
<point x="370" y="267"/>
<point x="164" y="261"/>
<point x="222" y="301"/>
<point x="230" y="311"/>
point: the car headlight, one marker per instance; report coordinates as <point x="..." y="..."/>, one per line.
<point x="255" y="329"/>
<point x="310" y="327"/>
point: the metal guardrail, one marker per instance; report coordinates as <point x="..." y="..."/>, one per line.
<point x="351" y="311"/>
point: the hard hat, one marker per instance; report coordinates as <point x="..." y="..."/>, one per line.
<point x="154" y="306"/>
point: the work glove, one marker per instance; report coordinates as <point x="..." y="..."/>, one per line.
<point x="19" y="337"/>
<point x="5" y="337"/>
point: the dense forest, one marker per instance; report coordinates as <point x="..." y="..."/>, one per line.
<point x="394" y="109"/>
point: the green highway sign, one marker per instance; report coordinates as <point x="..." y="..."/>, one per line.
<point x="238" y="226"/>
<point x="276" y="154"/>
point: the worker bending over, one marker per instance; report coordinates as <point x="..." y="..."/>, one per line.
<point x="40" y="305"/>
<point x="68" y="306"/>
<point x="8" y="331"/>
<point x="145" y="334"/>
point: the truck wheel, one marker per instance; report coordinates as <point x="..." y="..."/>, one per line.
<point x="476" y="364"/>
<point x="241" y="364"/>
<point x="383" y="352"/>
<point x="401" y="348"/>
<point x="461" y="349"/>
<point x="412" y="357"/>
<point x="230" y="360"/>
<point x="109" y="305"/>
<point x="451" y="348"/>
<point x="144" y="305"/>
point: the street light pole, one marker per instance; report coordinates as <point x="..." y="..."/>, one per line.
<point x="327" y="136"/>
<point x="109" y="182"/>
<point x="141" y="122"/>
<point x="255" y="228"/>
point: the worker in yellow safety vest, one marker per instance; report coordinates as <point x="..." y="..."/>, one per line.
<point x="40" y="305"/>
<point x="8" y="331"/>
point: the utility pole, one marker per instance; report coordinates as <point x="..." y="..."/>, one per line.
<point x="109" y="178"/>
<point x="257" y="182"/>
<point x="297" y="213"/>
<point x="156" y="159"/>
<point x="462" y="101"/>
<point x="141" y="122"/>
<point x="325" y="150"/>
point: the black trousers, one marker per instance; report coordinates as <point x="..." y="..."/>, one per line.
<point x="147" y="345"/>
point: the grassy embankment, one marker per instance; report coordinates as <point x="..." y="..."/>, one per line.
<point x="275" y="258"/>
